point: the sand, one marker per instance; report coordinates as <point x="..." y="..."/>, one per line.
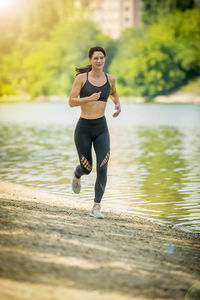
<point x="51" y="248"/>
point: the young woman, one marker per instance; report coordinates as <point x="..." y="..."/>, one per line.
<point x="93" y="87"/>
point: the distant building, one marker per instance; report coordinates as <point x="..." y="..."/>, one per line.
<point x="113" y="16"/>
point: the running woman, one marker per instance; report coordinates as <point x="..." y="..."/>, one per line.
<point x="90" y="90"/>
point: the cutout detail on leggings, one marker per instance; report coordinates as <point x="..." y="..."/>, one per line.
<point x="105" y="160"/>
<point x="102" y="187"/>
<point x="85" y="163"/>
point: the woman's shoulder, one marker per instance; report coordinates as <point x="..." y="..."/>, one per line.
<point x="81" y="77"/>
<point x="111" y="78"/>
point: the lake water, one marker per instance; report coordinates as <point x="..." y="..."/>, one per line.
<point x="154" y="166"/>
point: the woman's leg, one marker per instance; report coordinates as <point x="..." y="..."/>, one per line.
<point x="83" y="144"/>
<point x="102" y="148"/>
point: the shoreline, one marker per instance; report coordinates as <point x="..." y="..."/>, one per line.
<point x="88" y="207"/>
<point x="176" y="98"/>
<point x="52" y="243"/>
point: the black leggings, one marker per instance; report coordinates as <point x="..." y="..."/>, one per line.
<point x="86" y="132"/>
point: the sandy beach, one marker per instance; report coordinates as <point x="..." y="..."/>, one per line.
<point x="50" y="248"/>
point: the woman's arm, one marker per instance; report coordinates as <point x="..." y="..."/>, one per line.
<point x="115" y="97"/>
<point x="74" y="100"/>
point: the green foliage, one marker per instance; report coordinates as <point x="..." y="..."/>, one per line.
<point x="29" y="21"/>
<point x="193" y="86"/>
<point x="160" y="57"/>
<point x="153" y="10"/>
<point x="49" y="68"/>
<point x="41" y="16"/>
<point x="21" y="29"/>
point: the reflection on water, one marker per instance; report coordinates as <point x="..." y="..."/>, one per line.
<point x="153" y="170"/>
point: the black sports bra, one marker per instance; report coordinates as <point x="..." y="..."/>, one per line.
<point x="88" y="89"/>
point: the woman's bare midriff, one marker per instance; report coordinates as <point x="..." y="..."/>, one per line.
<point x="93" y="110"/>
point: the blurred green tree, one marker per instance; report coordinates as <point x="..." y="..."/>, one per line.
<point x="153" y="10"/>
<point x="49" y="68"/>
<point x="42" y="43"/>
<point x="158" y="58"/>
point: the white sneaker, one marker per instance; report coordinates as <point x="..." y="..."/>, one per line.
<point x="76" y="184"/>
<point x="96" y="212"/>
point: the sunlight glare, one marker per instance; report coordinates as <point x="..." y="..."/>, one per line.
<point x="5" y="4"/>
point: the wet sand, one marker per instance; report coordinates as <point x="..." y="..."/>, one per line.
<point x="50" y="248"/>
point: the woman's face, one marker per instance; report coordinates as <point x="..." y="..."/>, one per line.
<point x="97" y="60"/>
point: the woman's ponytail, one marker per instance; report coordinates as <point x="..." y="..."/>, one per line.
<point x="83" y="69"/>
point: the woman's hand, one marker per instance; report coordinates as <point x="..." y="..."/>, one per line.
<point x="118" y="108"/>
<point x="95" y="96"/>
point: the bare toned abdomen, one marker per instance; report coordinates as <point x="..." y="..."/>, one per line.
<point x="93" y="110"/>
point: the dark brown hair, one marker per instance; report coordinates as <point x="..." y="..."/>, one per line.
<point x="89" y="67"/>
